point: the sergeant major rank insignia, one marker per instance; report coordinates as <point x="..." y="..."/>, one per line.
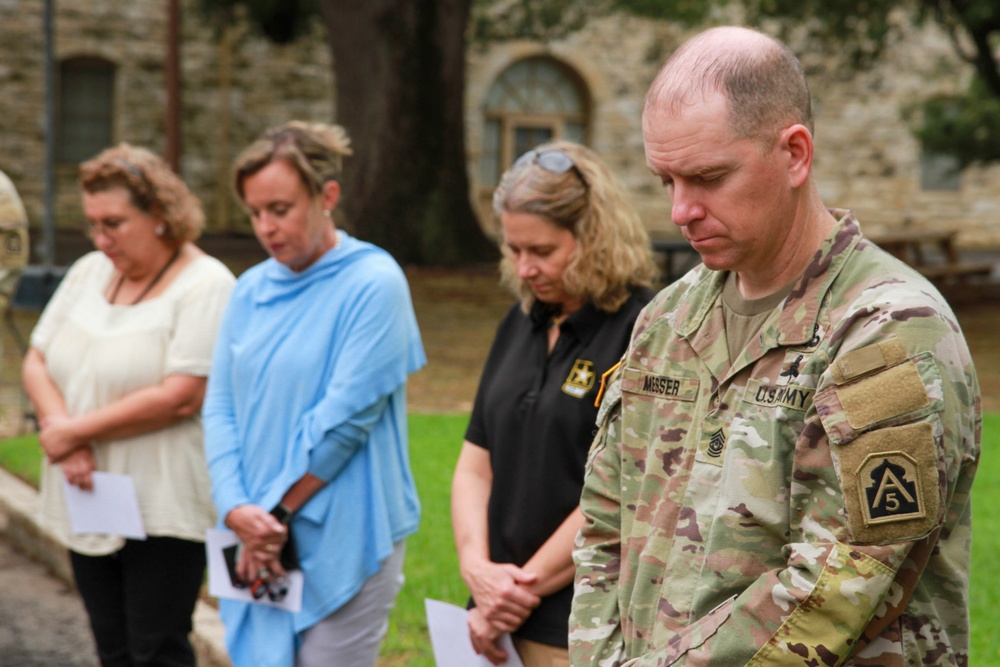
<point x="716" y="443"/>
<point x="890" y="488"/>
<point x="581" y="378"/>
<point x="712" y="448"/>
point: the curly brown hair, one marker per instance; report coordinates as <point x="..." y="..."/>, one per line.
<point x="613" y="254"/>
<point x="153" y="188"/>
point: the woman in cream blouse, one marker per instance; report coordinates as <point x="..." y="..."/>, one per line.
<point x="117" y="370"/>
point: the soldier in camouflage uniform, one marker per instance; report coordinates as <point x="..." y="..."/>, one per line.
<point x="777" y="485"/>
<point x="13" y="243"/>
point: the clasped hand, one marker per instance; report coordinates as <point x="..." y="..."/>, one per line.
<point x="60" y="446"/>
<point x="263" y="537"/>
<point x="504" y="600"/>
<point x="57" y="437"/>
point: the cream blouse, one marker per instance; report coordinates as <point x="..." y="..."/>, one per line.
<point x="97" y="352"/>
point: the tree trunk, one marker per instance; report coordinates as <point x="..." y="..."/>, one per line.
<point x="400" y="76"/>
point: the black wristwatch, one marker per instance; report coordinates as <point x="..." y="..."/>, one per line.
<point x="282" y="514"/>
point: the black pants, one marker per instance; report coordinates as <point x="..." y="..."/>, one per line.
<point x="140" y="601"/>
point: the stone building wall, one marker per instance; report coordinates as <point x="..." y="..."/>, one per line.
<point x="236" y="84"/>
<point x="21" y="100"/>
<point x="615" y="57"/>
<point x="866" y="157"/>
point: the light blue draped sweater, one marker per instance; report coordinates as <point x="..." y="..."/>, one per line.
<point x="309" y="375"/>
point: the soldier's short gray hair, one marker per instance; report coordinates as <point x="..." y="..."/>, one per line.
<point x="761" y="78"/>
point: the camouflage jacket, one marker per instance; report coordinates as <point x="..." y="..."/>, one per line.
<point x="805" y="505"/>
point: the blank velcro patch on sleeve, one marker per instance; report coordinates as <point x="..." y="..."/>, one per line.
<point x="890" y="393"/>
<point x="864" y="360"/>
<point x="890" y="482"/>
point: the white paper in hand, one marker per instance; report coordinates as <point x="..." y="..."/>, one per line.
<point x="111" y="507"/>
<point x="450" y="638"/>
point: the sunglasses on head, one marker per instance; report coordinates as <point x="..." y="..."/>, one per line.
<point x="555" y="161"/>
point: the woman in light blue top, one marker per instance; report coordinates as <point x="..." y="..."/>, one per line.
<point x="305" y="415"/>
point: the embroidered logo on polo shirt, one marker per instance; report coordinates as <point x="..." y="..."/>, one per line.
<point x="581" y="378"/>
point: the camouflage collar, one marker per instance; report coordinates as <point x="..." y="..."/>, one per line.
<point x="800" y="310"/>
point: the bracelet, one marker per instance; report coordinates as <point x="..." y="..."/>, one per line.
<point x="282" y="514"/>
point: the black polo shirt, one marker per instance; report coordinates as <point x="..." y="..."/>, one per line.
<point x="535" y="414"/>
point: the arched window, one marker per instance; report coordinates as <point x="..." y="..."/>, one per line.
<point x="84" y="112"/>
<point x="533" y="101"/>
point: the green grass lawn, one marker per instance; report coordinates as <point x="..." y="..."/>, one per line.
<point x="432" y="565"/>
<point x="984" y="594"/>
<point x="431" y="562"/>
<point x="22" y="457"/>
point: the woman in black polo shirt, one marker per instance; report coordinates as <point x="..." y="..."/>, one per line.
<point x="576" y="253"/>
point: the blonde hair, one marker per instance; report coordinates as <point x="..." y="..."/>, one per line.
<point x="153" y="188"/>
<point x="314" y="150"/>
<point x="612" y="255"/>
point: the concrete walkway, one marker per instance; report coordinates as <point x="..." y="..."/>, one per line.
<point x="20" y="530"/>
<point x="42" y="619"/>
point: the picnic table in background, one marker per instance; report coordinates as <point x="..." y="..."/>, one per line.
<point x="932" y="252"/>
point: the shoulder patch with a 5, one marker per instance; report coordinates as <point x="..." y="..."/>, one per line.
<point x="890" y="482"/>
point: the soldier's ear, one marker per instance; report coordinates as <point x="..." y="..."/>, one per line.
<point x="796" y="144"/>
